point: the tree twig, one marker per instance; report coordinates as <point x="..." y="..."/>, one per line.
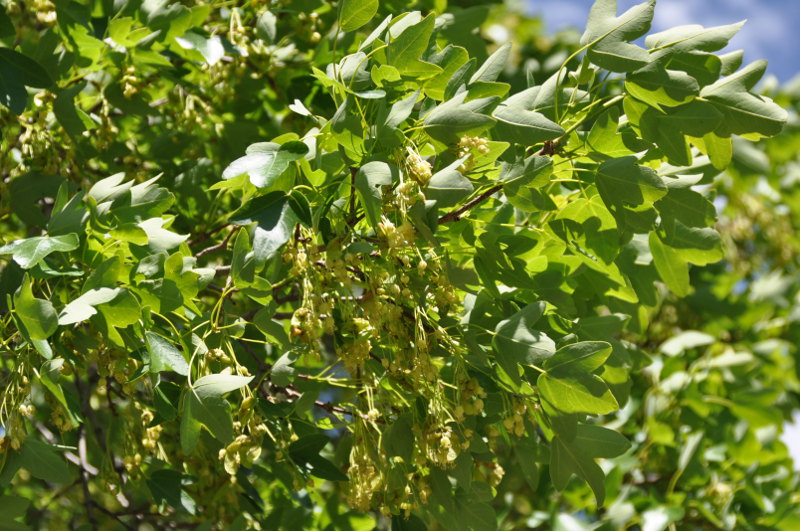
<point x="221" y="245"/>
<point x="549" y="148"/>
<point x="456" y="214"/>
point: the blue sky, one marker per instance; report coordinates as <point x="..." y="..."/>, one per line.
<point x="772" y="30"/>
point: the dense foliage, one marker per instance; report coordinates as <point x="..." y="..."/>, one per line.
<point x="301" y="264"/>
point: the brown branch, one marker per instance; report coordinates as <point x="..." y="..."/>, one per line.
<point x="221" y="245"/>
<point x="327" y="406"/>
<point x="549" y="148"/>
<point x="455" y="215"/>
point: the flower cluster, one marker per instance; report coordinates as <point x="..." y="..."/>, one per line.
<point x="467" y="147"/>
<point x="418" y="169"/>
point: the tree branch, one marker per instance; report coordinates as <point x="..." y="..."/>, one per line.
<point x="455" y="215"/>
<point x="549" y="148"/>
<point x="221" y="245"/>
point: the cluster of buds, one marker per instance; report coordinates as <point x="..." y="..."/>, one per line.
<point x="355" y="353"/>
<point x="467" y="147"/>
<point x="45" y="12"/>
<point x="305" y="325"/>
<point x="397" y="237"/>
<point x="132" y="462"/>
<point x="494" y="474"/>
<point x="515" y="423"/>
<point x="407" y="194"/>
<point x="442" y="446"/>
<point x="151" y="433"/>
<point x="311" y="24"/>
<point x="471" y="399"/>
<point x="130" y="83"/>
<point x="218" y="355"/>
<point x="14" y="434"/>
<point x="418" y="169"/>
<point x="244" y="449"/>
<point x="60" y="419"/>
<point x="365" y="480"/>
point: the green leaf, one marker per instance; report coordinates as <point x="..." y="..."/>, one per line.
<point x="704" y="67"/>
<point x="211" y="411"/>
<point x="38" y="315"/>
<point x="516" y="123"/>
<point x="692" y="38"/>
<point x="353" y="14"/>
<point x="398" y="439"/>
<point x="216" y="385"/>
<point x="688" y="207"/>
<point x="494" y="65"/>
<point x="475" y="515"/>
<point x="603" y="136"/>
<point x="685" y="340"/>
<point x="673" y="270"/>
<point x="282" y="370"/>
<point x="370" y="179"/>
<point x="608" y="36"/>
<point x="405" y="50"/>
<point x="211" y="48"/>
<point x="572" y="390"/>
<point x="30" y="251"/>
<point x="166" y="487"/>
<point x="577" y="457"/>
<point x="657" y="86"/>
<point x="411" y="522"/>
<point x="164" y="356"/>
<point x="275" y="217"/>
<point x="43" y="462"/>
<point x="71" y="117"/>
<point x="450" y="60"/>
<point x="597" y="231"/>
<point x="527" y="455"/>
<point x="743" y="111"/>
<point x="450" y="119"/>
<point x="534" y="171"/>
<point x="6" y="26"/>
<point x="585" y="356"/>
<point x="160" y="239"/>
<point x="401" y="110"/>
<point x="27" y="71"/>
<point x="517" y="342"/>
<point x="83" y="307"/>
<point x="323" y="468"/>
<point x="598" y="441"/>
<point x="12" y="507"/>
<point x="190" y="426"/>
<point x="696" y="118"/>
<point x="166" y="398"/>
<point x="123" y="310"/>
<point x="719" y="150"/>
<point x="667" y="130"/>
<point x="51" y="375"/>
<point x="448" y="186"/>
<point x="622" y="180"/>
<point x="265" y="162"/>
<point x="307" y="447"/>
<point x="699" y="246"/>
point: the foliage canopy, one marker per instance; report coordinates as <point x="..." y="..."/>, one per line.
<point x="312" y="264"/>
